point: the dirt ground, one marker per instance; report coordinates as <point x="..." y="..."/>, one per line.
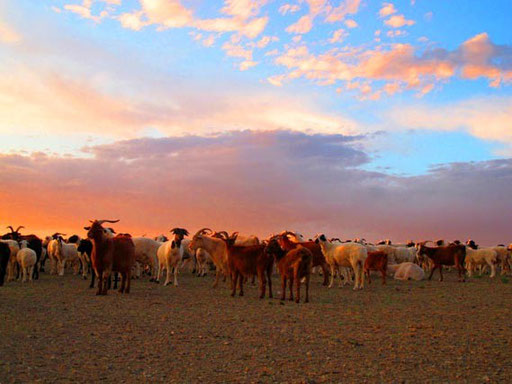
<point x="57" y="330"/>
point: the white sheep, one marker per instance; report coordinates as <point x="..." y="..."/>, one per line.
<point x="202" y="258"/>
<point x="344" y="255"/>
<point x="404" y="255"/>
<point x="406" y="271"/>
<point x="146" y="254"/>
<point x="503" y="258"/>
<point x="14" y="247"/>
<point x="27" y="260"/>
<point x="481" y="257"/>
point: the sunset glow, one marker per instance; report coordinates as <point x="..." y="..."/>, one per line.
<point x="353" y="118"/>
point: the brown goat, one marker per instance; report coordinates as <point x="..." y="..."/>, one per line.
<point x="246" y="261"/>
<point x="293" y="265"/>
<point x="110" y="255"/>
<point x="376" y="261"/>
<point x="316" y="251"/>
<point x="449" y="255"/>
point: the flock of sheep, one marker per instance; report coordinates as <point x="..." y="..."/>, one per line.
<point x="103" y="252"/>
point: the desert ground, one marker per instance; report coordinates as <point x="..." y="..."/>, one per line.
<point x="57" y="330"/>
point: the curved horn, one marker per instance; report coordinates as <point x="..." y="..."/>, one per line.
<point x="11" y="228"/>
<point x="223" y="234"/>
<point x="234" y="235"/>
<point x="202" y="231"/>
<point x="107" y="221"/>
<point x="21" y="226"/>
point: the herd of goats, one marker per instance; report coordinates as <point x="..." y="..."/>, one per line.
<point x="105" y="254"/>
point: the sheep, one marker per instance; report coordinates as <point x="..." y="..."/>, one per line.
<point x="110" y="254"/>
<point x="202" y="256"/>
<point x="33" y="242"/>
<point x="161" y="238"/>
<point x="376" y="261"/>
<point x="481" y="257"/>
<point x="215" y="247"/>
<point x="406" y="271"/>
<point x="389" y="250"/>
<point x="404" y="255"/>
<point x="503" y="258"/>
<point x="450" y="255"/>
<point x="62" y="253"/>
<point x="344" y="255"/>
<point x="27" y="260"/>
<point x="83" y="257"/>
<point x="146" y="254"/>
<point x="14" y="247"/>
<point x="293" y="265"/>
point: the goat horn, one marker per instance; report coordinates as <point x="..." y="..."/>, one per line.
<point x="21" y="226"/>
<point x="234" y="234"/>
<point x="11" y="228"/>
<point x="202" y="231"/>
<point x="107" y="221"/>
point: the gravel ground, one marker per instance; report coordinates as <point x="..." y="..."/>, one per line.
<point x="57" y="330"/>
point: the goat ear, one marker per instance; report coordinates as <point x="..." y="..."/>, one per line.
<point x="87" y="228"/>
<point x="173" y="244"/>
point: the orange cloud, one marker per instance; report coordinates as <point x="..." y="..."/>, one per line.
<point x="387" y="9"/>
<point x="401" y="64"/>
<point x="8" y="35"/>
<point x="398" y="21"/>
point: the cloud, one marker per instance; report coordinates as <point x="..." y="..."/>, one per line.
<point x="302" y="26"/>
<point x="31" y="99"/>
<point x="487" y="118"/>
<point x="8" y="35"/>
<point x="84" y="10"/>
<point x="288" y="8"/>
<point x="323" y="7"/>
<point x="398" y="21"/>
<point x="402" y="64"/>
<point x="387" y="9"/>
<point x="338" y="36"/>
<point x="350" y="23"/>
<point x="255" y="182"/>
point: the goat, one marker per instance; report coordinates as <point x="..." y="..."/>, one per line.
<point x="109" y="255"/>
<point x="170" y="253"/>
<point x="449" y="255"/>
<point x="376" y="261"/>
<point x="246" y="261"/>
<point x="217" y="249"/>
<point x="33" y="242"/>
<point x="314" y="248"/>
<point x="5" y="253"/>
<point x="293" y="265"/>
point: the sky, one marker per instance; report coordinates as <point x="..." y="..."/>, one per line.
<point x="354" y="118"/>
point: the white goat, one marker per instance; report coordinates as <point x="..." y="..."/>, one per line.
<point x="169" y="257"/>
